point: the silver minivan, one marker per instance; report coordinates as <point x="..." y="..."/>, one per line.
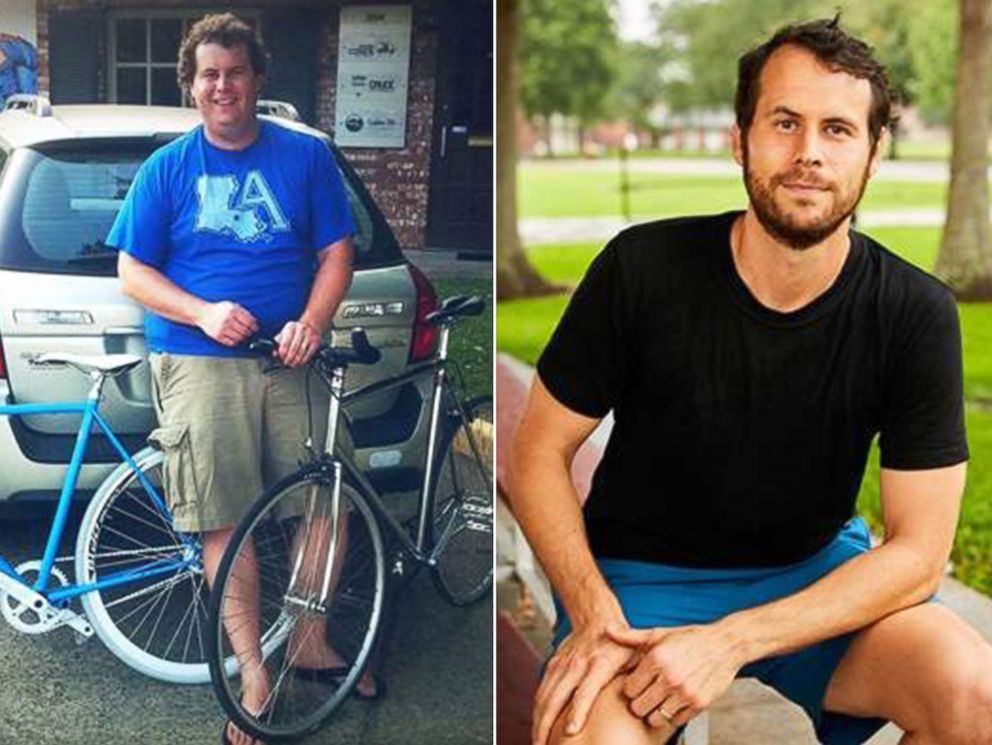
<point x="64" y="172"/>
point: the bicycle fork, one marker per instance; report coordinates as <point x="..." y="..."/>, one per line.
<point x="319" y="604"/>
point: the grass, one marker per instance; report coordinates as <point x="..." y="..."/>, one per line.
<point x="471" y="342"/>
<point x="550" y="189"/>
<point x="972" y="552"/>
<point x="525" y="326"/>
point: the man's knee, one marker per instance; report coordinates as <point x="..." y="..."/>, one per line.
<point x="961" y="708"/>
<point x="610" y="721"/>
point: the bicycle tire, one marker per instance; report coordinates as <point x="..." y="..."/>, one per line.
<point x="350" y="620"/>
<point x="462" y="505"/>
<point x="155" y="626"/>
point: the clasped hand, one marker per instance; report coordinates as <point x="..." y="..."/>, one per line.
<point x="679" y="672"/>
<point x="671" y="674"/>
<point x="231" y="325"/>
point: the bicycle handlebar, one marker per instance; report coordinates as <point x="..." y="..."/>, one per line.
<point x="361" y="351"/>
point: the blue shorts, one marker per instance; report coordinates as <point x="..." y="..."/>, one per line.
<point x="660" y="595"/>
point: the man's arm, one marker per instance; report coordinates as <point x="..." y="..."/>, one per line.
<point x="920" y="510"/>
<point x="224" y="322"/>
<point x="299" y="339"/>
<point x="546" y="505"/>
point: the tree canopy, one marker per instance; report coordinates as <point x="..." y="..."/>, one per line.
<point x="568" y="57"/>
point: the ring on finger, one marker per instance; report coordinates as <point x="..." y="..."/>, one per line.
<point x="661" y="710"/>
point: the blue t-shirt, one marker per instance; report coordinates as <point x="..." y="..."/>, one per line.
<point x="241" y="225"/>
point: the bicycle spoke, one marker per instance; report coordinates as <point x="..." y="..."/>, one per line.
<point x="165" y="606"/>
<point x="463" y="510"/>
<point x="295" y="559"/>
<point x="144" y="591"/>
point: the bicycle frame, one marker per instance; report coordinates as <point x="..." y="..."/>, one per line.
<point x="436" y="366"/>
<point x="91" y="415"/>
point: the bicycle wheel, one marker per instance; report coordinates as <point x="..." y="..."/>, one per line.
<point x="282" y="556"/>
<point x="462" y="506"/>
<point x="155" y="624"/>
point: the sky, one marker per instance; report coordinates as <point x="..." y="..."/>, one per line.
<point x="634" y="20"/>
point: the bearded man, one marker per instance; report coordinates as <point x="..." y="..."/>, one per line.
<point x="749" y="360"/>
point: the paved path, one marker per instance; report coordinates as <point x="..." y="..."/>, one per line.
<point x="444" y="263"/>
<point x="53" y="692"/>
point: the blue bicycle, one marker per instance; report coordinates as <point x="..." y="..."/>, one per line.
<point x="140" y="583"/>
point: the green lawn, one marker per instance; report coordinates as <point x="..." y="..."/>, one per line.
<point x="471" y="343"/>
<point x="525" y="325"/>
<point x="554" y="189"/>
<point x="972" y="552"/>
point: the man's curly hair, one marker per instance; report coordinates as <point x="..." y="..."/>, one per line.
<point x="225" y="29"/>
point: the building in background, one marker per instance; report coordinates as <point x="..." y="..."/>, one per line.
<point x="404" y="88"/>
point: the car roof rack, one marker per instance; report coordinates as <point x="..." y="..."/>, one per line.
<point x="33" y="103"/>
<point x="277" y="108"/>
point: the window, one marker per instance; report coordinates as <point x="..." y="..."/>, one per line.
<point x="143" y="54"/>
<point x="65" y="198"/>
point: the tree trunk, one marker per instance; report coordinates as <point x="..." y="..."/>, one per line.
<point x="515" y="277"/>
<point x="965" y="259"/>
<point x="894" y="141"/>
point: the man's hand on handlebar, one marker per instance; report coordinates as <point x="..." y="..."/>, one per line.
<point x="298" y="342"/>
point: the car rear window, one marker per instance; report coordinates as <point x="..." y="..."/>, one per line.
<point x="59" y="200"/>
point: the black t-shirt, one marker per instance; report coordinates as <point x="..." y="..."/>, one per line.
<point x="741" y="433"/>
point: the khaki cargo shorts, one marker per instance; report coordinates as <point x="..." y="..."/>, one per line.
<point x="230" y="430"/>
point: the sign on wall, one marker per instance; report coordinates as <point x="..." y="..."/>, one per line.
<point x="373" y="73"/>
<point x="18" y="55"/>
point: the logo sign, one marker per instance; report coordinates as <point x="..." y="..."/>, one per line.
<point x="382" y="84"/>
<point x="373" y="76"/>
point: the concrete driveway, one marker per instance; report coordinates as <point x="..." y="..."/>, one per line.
<point x="53" y="692"/>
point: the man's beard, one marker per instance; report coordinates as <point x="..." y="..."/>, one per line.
<point x="783" y="226"/>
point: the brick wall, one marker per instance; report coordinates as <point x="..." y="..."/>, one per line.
<point x="41" y="19"/>
<point x="397" y="178"/>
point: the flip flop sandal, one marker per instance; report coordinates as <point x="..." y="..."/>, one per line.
<point x="225" y="740"/>
<point x="335" y="675"/>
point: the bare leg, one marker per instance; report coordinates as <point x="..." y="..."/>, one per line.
<point x="924" y="669"/>
<point x="241" y="621"/>
<point x="313" y="537"/>
<point x="611" y="721"/>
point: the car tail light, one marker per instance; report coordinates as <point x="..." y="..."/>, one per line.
<point x="424" y="335"/>
<point x="3" y="362"/>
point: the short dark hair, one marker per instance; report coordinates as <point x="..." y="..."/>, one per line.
<point x="833" y="47"/>
<point x="225" y="29"/>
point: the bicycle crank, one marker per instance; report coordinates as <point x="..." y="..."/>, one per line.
<point x="30" y="612"/>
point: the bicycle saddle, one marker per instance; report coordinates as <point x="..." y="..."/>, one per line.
<point x="108" y="364"/>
